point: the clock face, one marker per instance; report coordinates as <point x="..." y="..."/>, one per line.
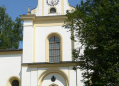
<point x="52" y="2"/>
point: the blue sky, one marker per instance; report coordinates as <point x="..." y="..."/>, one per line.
<point x="20" y="7"/>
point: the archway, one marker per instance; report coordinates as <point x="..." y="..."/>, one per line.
<point x="45" y="75"/>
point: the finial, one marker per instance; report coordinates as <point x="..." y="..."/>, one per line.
<point x="29" y="12"/>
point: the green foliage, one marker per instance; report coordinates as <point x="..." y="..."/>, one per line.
<point x="10" y="31"/>
<point x="96" y="26"/>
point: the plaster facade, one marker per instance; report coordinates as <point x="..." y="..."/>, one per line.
<point x="10" y="68"/>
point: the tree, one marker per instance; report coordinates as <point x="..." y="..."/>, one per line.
<point x="95" y="24"/>
<point x="10" y="31"/>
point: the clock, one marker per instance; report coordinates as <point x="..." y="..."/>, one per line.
<point x="52" y="2"/>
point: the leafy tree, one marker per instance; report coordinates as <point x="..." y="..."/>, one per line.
<point x="96" y="26"/>
<point x="10" y="31"/>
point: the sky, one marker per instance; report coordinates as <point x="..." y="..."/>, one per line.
<point x="20" y="7"/>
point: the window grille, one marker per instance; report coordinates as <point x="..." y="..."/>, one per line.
<point x="15" y="83"/>
<point x="52" y="10"/>
<point x="54" y="49"/>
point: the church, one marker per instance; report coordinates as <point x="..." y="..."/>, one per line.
<point x="46" y="58"/>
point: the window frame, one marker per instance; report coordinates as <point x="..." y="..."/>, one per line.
<point x="14" y="82"/>
<point x="52" y="9"/>
<point x="11" y="79"/>
<point x="54" y="49"/>
<point x="47" y="45"/>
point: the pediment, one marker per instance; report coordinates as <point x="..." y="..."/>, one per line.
<point x="44" y="6"/>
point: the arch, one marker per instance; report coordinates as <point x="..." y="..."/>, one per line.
<point x="11" y="79"/>
<point x="53" y="70"/>
<point x="47" y="45"/>
<point x="49" y="11"/>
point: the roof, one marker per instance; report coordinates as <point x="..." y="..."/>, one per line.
<point x="7" y="50"/>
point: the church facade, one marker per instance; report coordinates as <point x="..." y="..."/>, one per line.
<point x="46" y="58"/>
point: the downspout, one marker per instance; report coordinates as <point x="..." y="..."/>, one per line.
<point x="72" y="42"/>
<point x="21" y="68"/>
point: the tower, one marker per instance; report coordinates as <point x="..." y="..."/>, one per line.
<point x="47" y="48"/>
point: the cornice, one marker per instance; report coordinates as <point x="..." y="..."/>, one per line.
<point x="34" y="17"/>
<point x="9" y="50"/>
<point x="47" y="64"/>
<point x="51" y="17"/>
<point x="28" y="17"/>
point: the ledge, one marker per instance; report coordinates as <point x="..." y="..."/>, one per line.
<point x="34" y="17"/>
<point x="28" y="17"/>
<point x="48" y="64"/>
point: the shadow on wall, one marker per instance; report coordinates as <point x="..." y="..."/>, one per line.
<point x="28" y="69"/>
<point x="20" y="73"/>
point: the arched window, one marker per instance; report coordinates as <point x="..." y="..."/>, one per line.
<point x="53" y="85"/>
<point x="15" y="83"/>
<point x="54" y="49"/>
<point x="52" y="10"/>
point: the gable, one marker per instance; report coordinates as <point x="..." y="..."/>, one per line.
<point x="44" y="6"/>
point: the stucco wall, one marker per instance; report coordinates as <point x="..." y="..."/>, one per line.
<point x="26" y="76"/>
<point x="40" y="36"/>
<point x="34" y="76"/>
<point x="28" y="41"/>
<point x="10" y="66"/>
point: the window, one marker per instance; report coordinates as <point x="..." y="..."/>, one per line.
<point x="15" y="83"/>
<point x="54" y="49"/>
<point x="53" y="85"/>
<point x="52" y="10"/>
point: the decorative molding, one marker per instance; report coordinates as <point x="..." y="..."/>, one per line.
<point x="28" y="17"/>
<point x="42" y="7"/>
<point x="47" y="65"/>
<point x="53" y="78"/>
<point x="11" y="52"/>
<point x="62" y="5"/>
<point x="9" y="81"/>
<point x="53" y="70"/>
<point x="33" y="44"/>
<point x="52" y="2"/>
